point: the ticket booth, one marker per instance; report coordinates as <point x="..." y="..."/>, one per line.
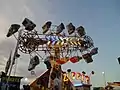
<point x="12" y="84"/>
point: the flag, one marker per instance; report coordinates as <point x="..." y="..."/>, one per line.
<point x="8" y="64"/>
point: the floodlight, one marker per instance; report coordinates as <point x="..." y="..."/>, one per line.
<point x="119" y="60"/>
<point x="2" y="74"/>
<point x="46" y="26"/>
<point x="28" y="24"/>
<point x="33" y="63"/>
<point x="60" y="28"/>
<point x="88" y="58"/>
<point x="81" y="31"/>
<point x="71" y="28"/>
<point x="68" y="70"/>
<point x="13" y="29"/>
<point x="83" y="72"/>
<point x="17" y="55"/>
<point x="92" y="72"/>
<point x="94" y="51"/>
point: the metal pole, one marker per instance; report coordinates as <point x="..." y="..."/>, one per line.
<point x="14" y="56"/>
<point x="15" y="68"/>
<point x="104" y="78"/>
<point x="90" y="75"/>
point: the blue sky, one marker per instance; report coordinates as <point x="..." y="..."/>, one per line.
<point x="101" y="19"/>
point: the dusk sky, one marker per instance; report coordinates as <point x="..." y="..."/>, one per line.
<point x="101" y="19"/>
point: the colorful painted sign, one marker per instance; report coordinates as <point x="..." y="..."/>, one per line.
<point x="76" y="76"/>
<point x="59" y="40"/>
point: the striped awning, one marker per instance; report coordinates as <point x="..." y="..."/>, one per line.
<point x="114" y="83"/>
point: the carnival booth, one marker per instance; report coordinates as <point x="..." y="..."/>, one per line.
<point x="41" y="83"/>
<point x="70" y="81"/>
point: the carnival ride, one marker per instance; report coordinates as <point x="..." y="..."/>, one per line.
<point x="54" y="46"/>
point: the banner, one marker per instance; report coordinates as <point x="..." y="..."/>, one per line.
<point x="13" y="82"/>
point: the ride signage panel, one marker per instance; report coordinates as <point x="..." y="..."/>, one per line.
<point x="76" y="76"/>
<point x="60" y="40"/>
<point x="12" y="82"/>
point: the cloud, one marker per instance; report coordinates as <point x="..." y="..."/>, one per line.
<point x="14" y="11"/>
<point x="11" y="12"/>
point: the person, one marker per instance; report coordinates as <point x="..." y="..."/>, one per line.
<point x="57" y="84"/>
